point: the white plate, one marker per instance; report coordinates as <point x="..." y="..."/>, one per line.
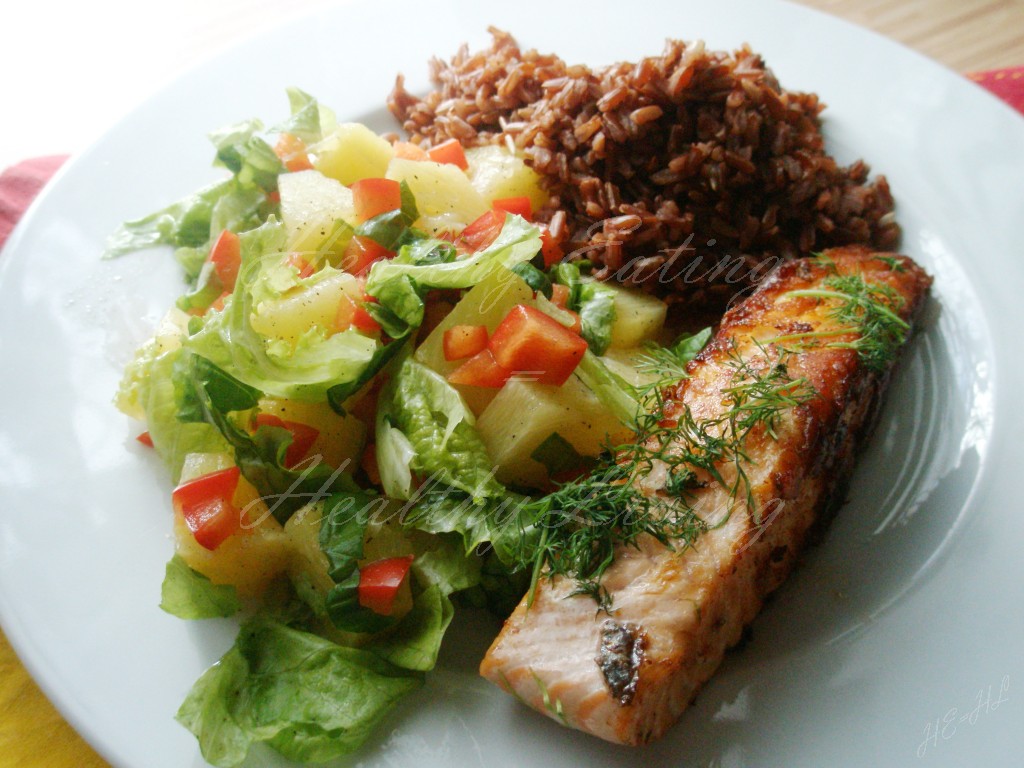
<point x="899" y="639"/>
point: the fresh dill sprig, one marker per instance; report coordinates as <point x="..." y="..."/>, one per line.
<point x="895" y="263"/>
<point x="869" y="310"/>
<point x="583" y="522"/>
<point x="755" y="399"/>
<point x="578" y="528"/>
<point x="669" y="363"/>
<point x="551" y="704"/>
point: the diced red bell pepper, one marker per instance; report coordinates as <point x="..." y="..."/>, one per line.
<point x="483" y="231"/>
<point x="373" y="197"/>
<point x="360" y="254"/>
<point x="577" y="322"/>
<point x="528" y="340"/>
<point x="380" y="581"/>
<point x="518" y="205"/>
<point x="218" y="303"/>
<point x="297" y="260"/>
<point x="352" y="314"/>
<point x="303" y="436"/>
<point x="449" y="152"/>
<point x="292" y="152"/>
<point x="343" y="317"/>
<point x="146" y="439"/>
<point x="560" y="295"/>
<point x="206" y="505"/>
<point x="406" y="150"/>
<point x="461" y="341"/>
<point x="369" y="463"/>
<point x="481" y="370"/>
<point x="226" y="257"/>
<point x="363" y="320"/>
<point x="550" y="249"/>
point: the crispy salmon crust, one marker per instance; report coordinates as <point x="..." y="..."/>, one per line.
<point x="628" y="675"/>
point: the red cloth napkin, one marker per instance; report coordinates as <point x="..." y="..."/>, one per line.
<point x="20" y="183"/>
<point x="1007" y="84"/>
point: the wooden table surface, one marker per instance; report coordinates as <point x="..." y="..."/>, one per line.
<point x="965" y="35"/>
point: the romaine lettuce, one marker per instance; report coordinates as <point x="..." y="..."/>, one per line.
<point x="594" y="302"/>
<point x="310" y="699"/>
<point x="247" y="156"/>
<point x="207" y="394"/>
<point x="611" y="390"/>
<point x="188" y="594"/>
<point x="191" y="222"/>
<point x="147" y="392"/>
<point x="228" y="339"/>
<point x="517" y="242"/>
<point x="434" y="419"/>
<point x="310" y="120"/>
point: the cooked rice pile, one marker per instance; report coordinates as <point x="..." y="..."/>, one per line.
<point x="689" y="173"/>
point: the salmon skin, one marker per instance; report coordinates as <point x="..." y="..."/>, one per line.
<point x="627" y="674"/>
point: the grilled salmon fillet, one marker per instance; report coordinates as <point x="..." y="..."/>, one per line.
<point x="627" y="674"/>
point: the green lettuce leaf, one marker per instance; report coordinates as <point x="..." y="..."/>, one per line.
<point x="426" y="252"/>
<point x="306" y="697"/>
<point x="342" y="532"/>
<point x="534" y="278"/>
<point x="395" y="454"/>
<point x="253" y="162"/>
<point x="147" y="392"/>
<point x="517" y="242"/>
<point x="399" y="308"/>
<point x="688" y="346"/>
<point x="393" y="229"/>
<point x="191" y="222"/>
<point x="306" y="372"/>
<point x="434" y="419"/>
<point x="310" y="120"/>
<point x="339" y="393"/>
<point x="489" y="519"/>
<point x="447" y="565"/>
<point x="188" y="594"/>
<point x="348" y="615"/>
<point x="416" y="640"/>
<point x="611" y="390"/>
<point x="208" y="394"/>
<point x="558" y="456"/>
<point x="592" y="301"/>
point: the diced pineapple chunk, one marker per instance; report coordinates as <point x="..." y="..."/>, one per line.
<point x="444" y="196"/>
<point x="199" y="464"/>
<point x="251" y="558"/>
<point x="311" y="204"/>
<point x="525" y="413"/>
<point x="172" y="329"/>
<point x="306" y="306"/>
<point x="639" y="317"/>
<point x="496" y="173"/>
<point x="352" y="152"/>
<point x="341" y="438"/>
<point x="309" y="567"/>
<point x="624" y="362"/>
<point x="486" y="304"/>
<point x="308" y="559"/>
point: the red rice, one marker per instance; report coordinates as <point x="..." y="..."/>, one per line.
<point x="689" y="174"/>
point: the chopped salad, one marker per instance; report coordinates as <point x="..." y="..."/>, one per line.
<point x="380" y="373"/>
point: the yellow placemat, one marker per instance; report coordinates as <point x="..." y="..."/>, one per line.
<point x="32" y="732"/>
